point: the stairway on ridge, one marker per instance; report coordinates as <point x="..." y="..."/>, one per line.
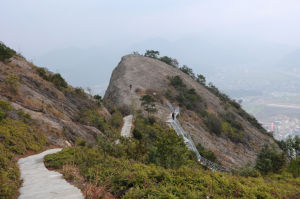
<point x="190" y="143"/>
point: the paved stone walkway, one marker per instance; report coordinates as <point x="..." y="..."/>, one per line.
<point x="126" y="129"/>
<point x="40" y="183"/>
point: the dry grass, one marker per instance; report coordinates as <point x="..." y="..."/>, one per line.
<point x="56" y="113"/>
<point x="91" y="191"/>
<point x="33" y="103"/>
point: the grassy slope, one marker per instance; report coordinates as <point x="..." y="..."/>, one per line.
<point x="16" y="138"/>
<point x="125" y="170"/>
<point x="131" y="179"/>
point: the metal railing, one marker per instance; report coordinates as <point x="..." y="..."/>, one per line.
<point x="190" y="143"/>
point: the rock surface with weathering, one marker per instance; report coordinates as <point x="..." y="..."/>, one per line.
<point x="147" y="75"/>
<point x="55" y="111"/>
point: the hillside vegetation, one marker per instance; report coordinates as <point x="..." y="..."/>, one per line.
<point x="126" y="179"/>
<point x="155" y="163"/>
<point x="17" y="137"/>
<point x="212" y="119"/>
<point x="39" y="108"/>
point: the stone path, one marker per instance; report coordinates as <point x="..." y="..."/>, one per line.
<point x="40" y="183"/>
<point x="189" y="141"/>
<point x="126" y="129"/>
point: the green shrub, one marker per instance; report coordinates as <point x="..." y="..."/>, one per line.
<point x="99" y="99"/>
<point x="80" y="142"/>
<point x="169" y="151"/>
<point x="232" y="133"/>
<point x="5" y="106"/>
<point x="116" y="119"/>
<point x="16" y="137"/>
<point x="20" y="137"/>
<point x="2" y="115"/>
<point x="213" y="124"/>
<point x="291" y="146"/>
<point x="177" y="82"/>
<point x="187" y="98"/>
<point x="125" y="178"/>
<point x="92" y="117"/>
<point x="148" y="103"/>
<point x="42" y="73"/>
<point x="58" y="81"/>
<point x="187" y="71"/>
<point x="9" y="174"/>
<point x="13" y="83"/>
<point x="208" y="154"/>
<point x="248" y="171"/>
<point x="66" y="156"/>
<point x="294" y="167"/>
<point x="269" y="160"/>
<point x="170" y="61"/>
<point x="25" y="117"/>
<point x="4" y="109"/>
<point x="79" y="92"/>
<point x="201" y="79"/>
<point x="152" y="54"/>
<point x="231" y="119"/>
<point x="6" y="52"/>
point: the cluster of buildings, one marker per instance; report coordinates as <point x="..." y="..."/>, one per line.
<point x="283" y="126"/>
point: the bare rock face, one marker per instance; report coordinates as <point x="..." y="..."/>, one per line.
<point x="55" y="111"/>
<point x="147" y="75"/>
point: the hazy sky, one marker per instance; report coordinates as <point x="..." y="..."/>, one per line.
<point x="36" y="27"/>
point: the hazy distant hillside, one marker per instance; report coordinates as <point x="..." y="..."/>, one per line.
<point x="292" y="60"/>
<point x="211" y="55"/>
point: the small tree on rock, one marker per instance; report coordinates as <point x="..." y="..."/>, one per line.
<point x="170" y="61"/>
<point x="201" y="79"/>
<point x="187" y="71"/>
<point x="148" y="103"/>
<point x="152" y="54"/>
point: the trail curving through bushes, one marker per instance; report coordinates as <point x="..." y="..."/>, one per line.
<point x="39" y="182"/>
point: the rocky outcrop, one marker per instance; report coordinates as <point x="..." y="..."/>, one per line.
<point x="136" y="75"/>
<point x="55" y="111"/>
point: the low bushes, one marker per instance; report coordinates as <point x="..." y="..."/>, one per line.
<point x="234" y="134"/>
<point x="294" y="167"/>
<point x="168" y="151"/>
<point x="186" y="97"/>
<point x="92" y="117"/>
<point x="58" y="81"/>
<point x="270" y="160"/>
<point x="16" y="137"/>
<point x="116" y="119"/>
<point x="6" y="52"/>
<point x="208" y="154"/>
<point x="213" y="124"/>
<point x="12" y="82"/>
<point x="132" y="179"/>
